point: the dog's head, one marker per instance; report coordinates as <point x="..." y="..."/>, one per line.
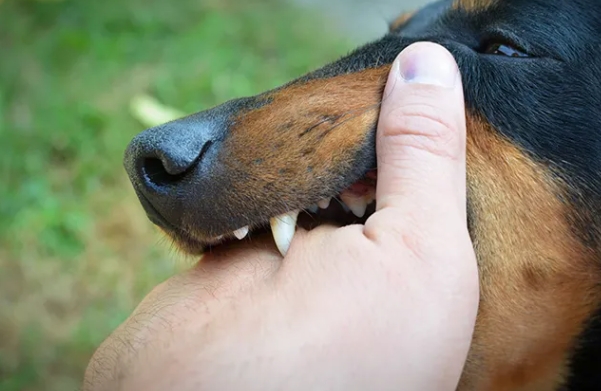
<point x="531" y="72"/>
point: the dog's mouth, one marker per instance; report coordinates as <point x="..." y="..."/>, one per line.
<point x="284" y="158"/>
<point x="351" y="206"/>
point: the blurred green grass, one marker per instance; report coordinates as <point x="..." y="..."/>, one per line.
<point x="76" y="251"/>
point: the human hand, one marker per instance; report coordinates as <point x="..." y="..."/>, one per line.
<point x="387" y="305"/>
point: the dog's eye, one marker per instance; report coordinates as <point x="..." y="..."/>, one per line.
<point x="501" y="49"/>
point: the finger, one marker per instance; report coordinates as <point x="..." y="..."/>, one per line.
<point x="421" y="134"/>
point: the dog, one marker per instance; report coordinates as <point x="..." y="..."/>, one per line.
<point x="531" y="71"/>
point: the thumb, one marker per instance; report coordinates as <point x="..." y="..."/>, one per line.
<point x="421" y="136"/>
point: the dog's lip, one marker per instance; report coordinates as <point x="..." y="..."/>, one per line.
<point x="154" y="215"/>
<point x="181" y="236"/>
<point x="353" y="205"/>
<point x="337" y="214"/>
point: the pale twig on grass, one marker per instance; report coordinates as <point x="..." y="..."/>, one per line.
<point x="151" y="112"/>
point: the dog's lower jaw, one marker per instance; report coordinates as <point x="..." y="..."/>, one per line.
<point x="349" y="207"/>
<point x="352" y="205"/>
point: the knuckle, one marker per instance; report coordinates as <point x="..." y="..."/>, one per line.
<point x="425" y="127"/>
<point x="398" y="228"/>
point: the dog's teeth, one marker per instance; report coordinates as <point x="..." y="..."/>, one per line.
<point x="357" y="205"/>
<point x="323" y="204"/>
<point x="283" y="228"/>
<point x="241" y="233"/>
<point x="313" y="209"/>
<point x="370" y="197"/>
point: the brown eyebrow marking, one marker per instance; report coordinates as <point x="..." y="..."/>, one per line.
<point x="537" y="290"/>
<point x="472" y="5"/>
<point x="401" y="20"/>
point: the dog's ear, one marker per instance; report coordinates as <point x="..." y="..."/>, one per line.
<point x="400" y="21"/>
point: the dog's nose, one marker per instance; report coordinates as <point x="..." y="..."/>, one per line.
<point x="162" y="161"/>
<point x="163" y="155"/>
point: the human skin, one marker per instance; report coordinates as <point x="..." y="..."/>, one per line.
<point x="388" y="305"/>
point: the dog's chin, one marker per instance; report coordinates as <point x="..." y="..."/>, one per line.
<point x="352" y="206"/>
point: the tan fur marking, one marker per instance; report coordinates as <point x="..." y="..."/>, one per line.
<point x="536" y="285"/>
<point x="472" y="5"/>
<point x="296" y="145"/>
<point x="401" y="20"/>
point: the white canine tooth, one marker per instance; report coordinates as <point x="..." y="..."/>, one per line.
<point x="313" y="209"/>
<point x="323" y="204"/>
<point x="241" y="233"/>
<point x="283" y="228"/>
<point x="357" y="205"/>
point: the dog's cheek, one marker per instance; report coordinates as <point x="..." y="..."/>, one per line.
<point x="536" y="278"/>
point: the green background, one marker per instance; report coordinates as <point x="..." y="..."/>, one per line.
<point x="76" y="250"/>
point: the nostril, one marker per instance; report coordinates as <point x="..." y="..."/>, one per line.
<point x="168" y="167"/>
<point x="154" y="172"/>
